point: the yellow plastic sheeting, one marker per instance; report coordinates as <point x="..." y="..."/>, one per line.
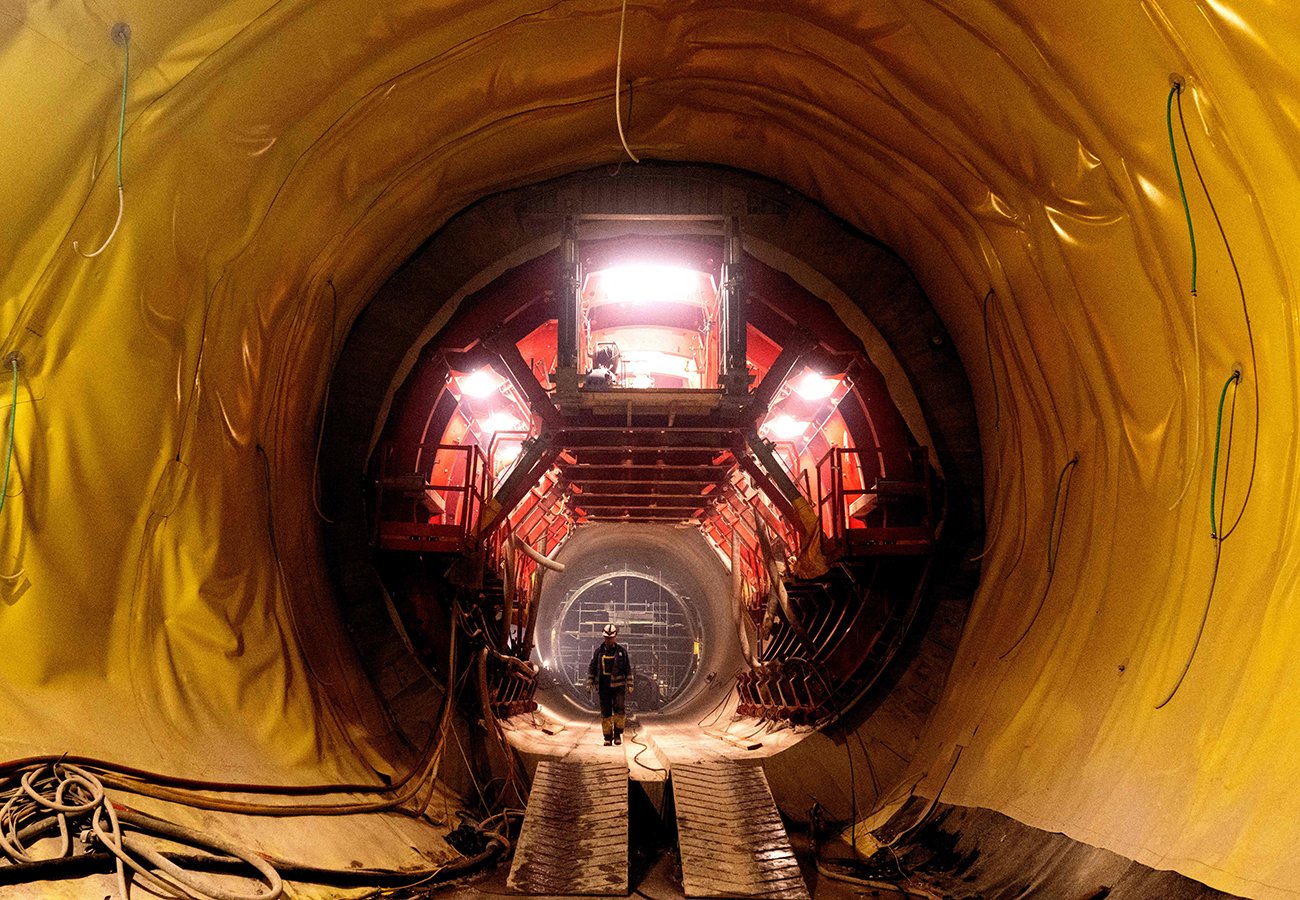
<point x="274" y="149"/>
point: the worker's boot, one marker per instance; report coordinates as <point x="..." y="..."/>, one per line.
<point x="618" y="736"/>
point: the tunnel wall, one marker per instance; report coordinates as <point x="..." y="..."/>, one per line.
<point x="282" y="159"/>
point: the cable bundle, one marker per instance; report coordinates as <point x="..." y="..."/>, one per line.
<point x="69" y="799"/>
<point x="44" y="796"/>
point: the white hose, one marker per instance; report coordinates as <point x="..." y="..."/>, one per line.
<point x="618" y="85"/>
<point x="537" y="557"/>
<point x="121" y="204"/>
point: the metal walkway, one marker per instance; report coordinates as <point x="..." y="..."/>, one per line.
<point x="574" y="837"/>
<point x="732" y="841"/>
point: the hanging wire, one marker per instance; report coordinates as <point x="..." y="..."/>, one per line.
<point x="325" y="405"/>
<point x="1219" y="537"/>
<point x="123" y="33"/>
<point x="13" y="421"/>
<point x="618" y="86"/>
<point x="897" y="838"/>
<point x="997" y="411"/>
<point x="1234" y="378"/>
<point x="993" y="375"/>
<point x="1054" y="537"/>
<point x="1245" y="312"/>
<point x="1176" y="88"/>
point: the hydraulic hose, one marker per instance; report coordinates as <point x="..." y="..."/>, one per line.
<point x="509" y="575"/>
<point x="536" y="556"/>
<point x="777" y="591"/>
<point x="738" y="611"/>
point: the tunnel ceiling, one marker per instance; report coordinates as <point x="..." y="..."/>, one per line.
<point x="281" y="160"/>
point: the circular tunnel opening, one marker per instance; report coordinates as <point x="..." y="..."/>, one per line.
<point x="658" y="627"/>
<point x="666" y="589"/>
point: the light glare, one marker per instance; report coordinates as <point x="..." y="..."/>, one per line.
<point x="786" y="427"/>
<point x="479" y="383"/>
<point x="814" y="387"/>
<point x="649" y="284"/>
<point x="501" y="421"/>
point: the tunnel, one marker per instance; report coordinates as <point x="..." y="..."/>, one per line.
<point x="905" y="380"/>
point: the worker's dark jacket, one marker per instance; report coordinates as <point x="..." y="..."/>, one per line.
<point x="610" y="669"/>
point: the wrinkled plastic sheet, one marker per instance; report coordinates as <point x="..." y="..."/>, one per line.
<point x="170" y="386"/>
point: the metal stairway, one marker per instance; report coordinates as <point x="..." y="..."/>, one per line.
<point x="732" y="840"/>
<point x="574" y="837"/>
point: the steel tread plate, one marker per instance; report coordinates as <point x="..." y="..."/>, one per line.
<point x="574" y="836"/>
<point x="731" y="838"/>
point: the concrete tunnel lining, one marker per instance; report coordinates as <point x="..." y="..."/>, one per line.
<point x="992" y="145"/>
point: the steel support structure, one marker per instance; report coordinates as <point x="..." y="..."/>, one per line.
<point x="734" y="375"/>
<point x="568" y="295"/>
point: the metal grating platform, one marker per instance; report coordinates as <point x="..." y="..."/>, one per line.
<point x="574" y="837"/>
<point x="732" y="841"/>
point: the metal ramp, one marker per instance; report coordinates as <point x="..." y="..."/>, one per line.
<point x="574" y="837"/>
<point x="732" y="841"/>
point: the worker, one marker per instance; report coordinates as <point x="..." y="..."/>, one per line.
<point x="610" y="672"/>
<point x="602" y="376"/>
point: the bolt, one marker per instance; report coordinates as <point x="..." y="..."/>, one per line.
<point x="121" y="34"/>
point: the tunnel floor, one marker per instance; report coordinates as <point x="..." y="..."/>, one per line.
<point x="652" y="742"/>
<point x="656" y="875"/>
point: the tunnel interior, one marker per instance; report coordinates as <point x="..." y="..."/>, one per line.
<point x="256" y="252"/>
<point x="706" y="391"/>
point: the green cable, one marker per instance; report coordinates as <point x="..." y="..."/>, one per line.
<point x="121" y="122"/>
<point x="13" y="420"/>
<point x="1182" y="192"/>
<point x="1218" y="431"/>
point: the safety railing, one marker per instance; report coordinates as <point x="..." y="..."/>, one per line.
<point x="429" y="497"/>
<point x="875" y="501"/>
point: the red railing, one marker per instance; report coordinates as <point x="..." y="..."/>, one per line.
<point x="875" y="500"/>
<point x="430" y="497"/>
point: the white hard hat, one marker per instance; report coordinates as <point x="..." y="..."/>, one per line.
<point x="611" y="630"/>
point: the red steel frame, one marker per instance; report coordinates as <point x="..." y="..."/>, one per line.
<point x="410" y="533"/>
<point x="887" y="479"/>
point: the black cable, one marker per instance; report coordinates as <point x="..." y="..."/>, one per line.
<point x="1245" y="311"/>
<point x="871" y="769"/>
<point x="853" y="791"/>
<point x="1219" y="538"/>
<point x="993" y="375"/>
<point x="99" y="862"/>
<point x="717" y="707"/>
<point x="325" y="405"/>
<point x="848" y="748"/>
<point x="1052" y="546"/>
<point x="637" y="756"/>
<point x="933" y="803"/>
